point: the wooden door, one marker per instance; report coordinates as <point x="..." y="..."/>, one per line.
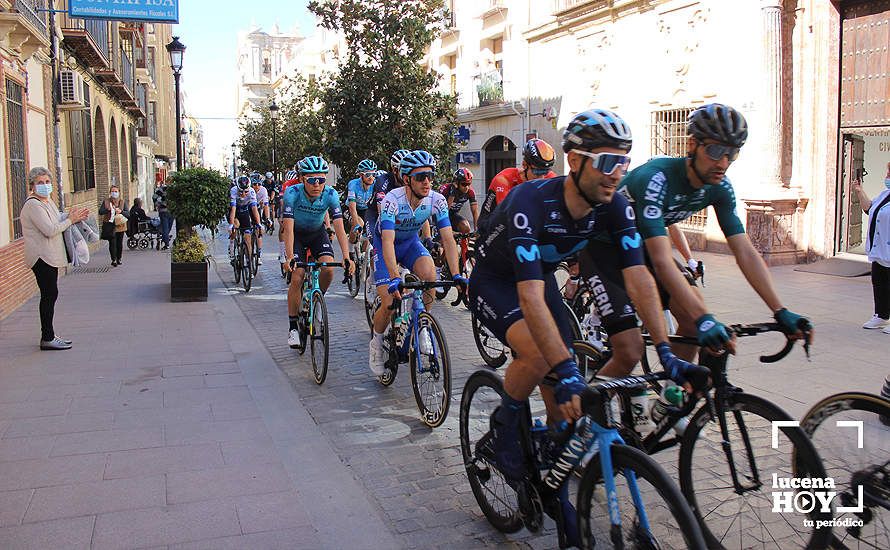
<point x="851" y="209"/>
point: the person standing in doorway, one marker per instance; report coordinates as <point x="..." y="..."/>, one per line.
<point x="45" y="249"/>
<point x="877" y="246"/>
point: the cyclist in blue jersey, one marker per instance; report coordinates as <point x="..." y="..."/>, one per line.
<point x="262" y="203"/>
<point x="243" y="214"/>
<point x="305" y="206"/>
<point x="358" y="193"/>
<point x="402" y="213"/>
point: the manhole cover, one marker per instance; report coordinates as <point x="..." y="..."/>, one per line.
<point x="80" y="270"/>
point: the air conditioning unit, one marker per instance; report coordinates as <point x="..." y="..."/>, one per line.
<point x="70" y="89"/>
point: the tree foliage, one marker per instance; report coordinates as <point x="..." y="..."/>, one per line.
<point x="298" y="131"/>
<point x="198" y="196"/>
<point x="383" y="98"/>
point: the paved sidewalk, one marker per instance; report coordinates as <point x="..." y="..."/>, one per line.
<point x="166" y="425"/>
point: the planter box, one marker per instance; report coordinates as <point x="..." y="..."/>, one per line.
<point x="188" y="282"/>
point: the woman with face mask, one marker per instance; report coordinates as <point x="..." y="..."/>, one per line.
<point x="877" y="246"/>
<point x="112" y="211"/>
<point x="45" y="249"/>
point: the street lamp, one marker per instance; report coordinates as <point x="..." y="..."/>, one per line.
<point x="183" y="140"/>
<point x="234" y="170"/>
<point x="176" y="49"/>
<point x="273" y="114"/>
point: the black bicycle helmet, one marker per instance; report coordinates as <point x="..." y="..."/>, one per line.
<point x="243" y="182"/>
<point x="538" y="153"/>
<point x="719" y="122"/>
<point x="597" y="128"/>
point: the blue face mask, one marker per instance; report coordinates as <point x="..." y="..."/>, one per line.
<point x="43" y="189"/>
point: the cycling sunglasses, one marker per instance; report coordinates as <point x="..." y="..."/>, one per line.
<point x="423" y="176"/>
<point x="316" y="181"/>
<point x="368" y="174"/>
<point x="607" y="163"/>
<point x="716" y="151"/>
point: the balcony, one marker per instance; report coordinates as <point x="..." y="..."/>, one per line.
<point x="492" y="7"/>
<point x="120" y="81"/>
<point x="489" y="88"/>
<point x="148" y="126"/>
<point x="87" y="39"/>
<point x="23" y="27"/>
<point x="140" y="107"/>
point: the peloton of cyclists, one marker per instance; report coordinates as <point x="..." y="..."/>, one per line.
<point x="243" y="214"/>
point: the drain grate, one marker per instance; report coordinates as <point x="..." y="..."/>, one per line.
<point x="79" y="270"/>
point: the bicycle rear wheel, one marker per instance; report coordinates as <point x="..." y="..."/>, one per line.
<point x="490" y="348"/>
<point x="855" y="467"/>
<point x="370" y="291"/>
<point x="498" y="501"/>
<point x="246" y="268"/>
<point x="236" y="264"/>
<point x="590" y="360"/>
<point x="318" y="337"/>
<point x="431" y="372"/>
<point x="743" y="517"/>
<point x="354" y="282"/>
<point x="663" y="507"/>
<point x="255" y="256"/>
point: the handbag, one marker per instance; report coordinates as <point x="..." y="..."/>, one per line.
<point x="107" y="231"/>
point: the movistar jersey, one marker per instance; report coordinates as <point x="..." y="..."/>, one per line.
<point x="383" y="184"/>
<point x="531" y="231"/>
<point x="396" y="214"/>
<point x="242" y="203"/>
<point x="356" y="192"/>
<point x="309" y="214"/>
<point x="661" y="195"/>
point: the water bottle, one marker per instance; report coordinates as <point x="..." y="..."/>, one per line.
<point x="590" y="327"/>
<point x="399" y="326"/>
<point x="670" y="396"/>
<point x="640" y="406"/>
<point x="574" y="449"/>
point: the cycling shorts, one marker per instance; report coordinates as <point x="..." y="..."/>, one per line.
<point x="315" y="242"/>
<point x="495" y="302"/>
<point x="407" y="252"/>
<point x="245" y="222"/>
<point x="603" y="275"/>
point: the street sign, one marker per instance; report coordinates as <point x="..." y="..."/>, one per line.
<point x="156" y="11"/>
<point x="462" y="134"/>
<point x="469" y="157"/>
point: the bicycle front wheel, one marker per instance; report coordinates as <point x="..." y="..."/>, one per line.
<point x="498" y="501"/>
<point x="246" y="268"/>
<point x="490" y="348"/>
<point x="370" y="292"/>
<point x="318" y="338"/>
<point x="859" y="467"/>
<point x="740" y="515"/>
<point x="236" y="265"/>
<point x="430" y="371"/>
<point x="652" y="510"/>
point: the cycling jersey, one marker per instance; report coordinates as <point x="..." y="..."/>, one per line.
<point x="661" y="195"/>
<point x="383" y="184"/>
<point x="501" y="185"/>
<point x="450" y="190"/>
<point x="396" y="214"/>
<point x="242" y="203"/>
<point x="289" y="183"/>
<point x="356" y="192"/>
<point x="309" y="214"/>
<point x="532" y="231"/>
<point x="262" y="197"/>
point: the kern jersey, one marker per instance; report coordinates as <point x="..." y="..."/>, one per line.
<point x="532" y="231"/>
<point x="309" y="214"/>
<point x="242" y="203"/>
<point x="450" y="190"/>
<point x="356" y="192"/>
<point x="262" y="196"/>
<point x="397" y="215"/>
<point x="661" y="195"/>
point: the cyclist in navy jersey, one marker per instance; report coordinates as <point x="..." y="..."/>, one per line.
<point x="383" y="184"/>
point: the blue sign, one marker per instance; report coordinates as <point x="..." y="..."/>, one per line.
<point x="158" y="11"/>
<point x="462" y="134"/>
<point x="468" y="157"/>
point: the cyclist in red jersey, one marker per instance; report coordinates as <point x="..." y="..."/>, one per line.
<point x="537" y="159"/>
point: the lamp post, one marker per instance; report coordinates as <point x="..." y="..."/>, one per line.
<point x="183" y="141"/>
<point x="273" y="114"/>
<point x="234" y="170"/>
<point x="176" y="49"/>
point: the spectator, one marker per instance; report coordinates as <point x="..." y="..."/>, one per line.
<point x="877" y="245"/>
<point x="160" y="200"/>
<point x="45" y="249"/>
<point x="112" y="211"/>
<point x="137" y="214"/>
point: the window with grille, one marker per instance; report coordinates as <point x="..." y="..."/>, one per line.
<point x="80" y="152"/>
<point x="15" y="123"/>
<point x="668" y="132"/>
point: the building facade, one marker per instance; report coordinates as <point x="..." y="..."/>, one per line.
<point x="524" y="68"/>
<point x="263" y="59"/>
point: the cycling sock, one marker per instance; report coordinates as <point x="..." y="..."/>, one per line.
<point x="508" y="413"/>
<point x="294" y="322"/>
<point x="378" y="336"/>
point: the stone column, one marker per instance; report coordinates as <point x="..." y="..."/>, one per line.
<point x="771" y="92"/>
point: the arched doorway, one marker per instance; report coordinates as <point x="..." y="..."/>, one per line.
<point x="500" y="153"/>
<point x="100" y="157"/>
<point x="124" y="176"/>
<point x="114" y="158"/>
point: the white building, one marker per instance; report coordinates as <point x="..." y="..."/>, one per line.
<point x="263" y="59"/>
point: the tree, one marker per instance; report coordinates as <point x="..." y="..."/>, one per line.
<point x="383" y="98"/>
<point x="299" y="129"/>
<point x="198" y="196"/>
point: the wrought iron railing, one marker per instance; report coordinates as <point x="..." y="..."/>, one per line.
<point x="98" y="29"/>
<point x="127" y="71"/>
<point x="33" y="11"/>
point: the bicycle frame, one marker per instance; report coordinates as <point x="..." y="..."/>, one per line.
<point x="606" y="437"/>
<point x="417" y="306"/>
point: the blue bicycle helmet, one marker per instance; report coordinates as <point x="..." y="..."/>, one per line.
<point x="291" y="174"/>
<point x="366" y="165"/>
<point x="256" y="177"/>
<point x="719" y="122"/>
<point x="396" y="159"/>
<point x="313" y="165"/>
<point x="597" y="128"/>
<point x="243" y="182"/>
<point x="416" y="159"/>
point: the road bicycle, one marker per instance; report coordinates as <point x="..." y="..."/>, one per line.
<point x="465" y="262"/>
<point x="851" y="430"/>
<point x="241" y="261"/>
<point x="369" y="288"/>
<point x="313" y="317"/>
<point x="640" y="508"/>
<point x="255" y="250"/>
<point x="727" y="457"/>
<point x="417" y="339"/>
<point x="354" y="281"/>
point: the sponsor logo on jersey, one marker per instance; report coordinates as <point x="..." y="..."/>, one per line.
<point x="530" y="254"/>
<point x="651" y="212"/>
<point x="656" y="184"/>
<point x="628" y="242"/>
<point x="601" y="297"/>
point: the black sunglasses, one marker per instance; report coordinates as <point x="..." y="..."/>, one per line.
<point x="423" y="176"/>
<point x="716" y="151"/>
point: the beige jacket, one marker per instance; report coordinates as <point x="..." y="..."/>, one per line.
<point x="42" y="232"/>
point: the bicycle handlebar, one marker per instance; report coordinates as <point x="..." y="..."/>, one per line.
<point x="296" y="263"/>
<point x="759" y="328"/>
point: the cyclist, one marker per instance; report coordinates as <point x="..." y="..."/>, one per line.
<point x="305" y="206"/>
<point x="396" y="242"/>
<point x="243" y="214"/>
<point x="665" y="191"/>
<point x="514" y="293"/>
<point x="270" y="184"/>
<point x="358" y="193"/>
<point x="458" y="193"/>
<point x="537" y="159"/>
<point x="290" y="178"/>
<point x="262" y="201"/>
<point x="383" y="184"/>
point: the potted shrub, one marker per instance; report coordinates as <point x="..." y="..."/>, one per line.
<point x="195" y="197"/>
